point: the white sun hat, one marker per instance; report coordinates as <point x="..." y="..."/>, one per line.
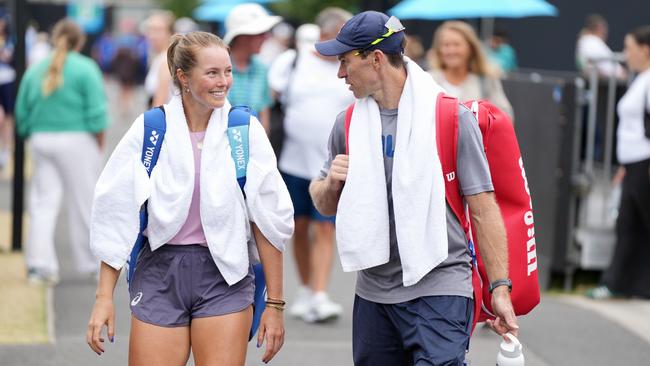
<point x="248" y="19"/>
<point x="307" y="35"/>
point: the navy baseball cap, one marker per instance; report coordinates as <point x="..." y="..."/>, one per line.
<point x="369" y="30"/>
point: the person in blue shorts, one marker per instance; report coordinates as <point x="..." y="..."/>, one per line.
<point x="312" y="96"/>
<point x="383" y="180"/>
<point x="193" y="285"/>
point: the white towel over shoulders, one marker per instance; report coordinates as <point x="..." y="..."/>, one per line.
<point x="417" y="186"/>
<point x="124" y="186"/>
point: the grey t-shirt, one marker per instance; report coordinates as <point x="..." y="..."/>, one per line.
<point x="383" y="283"/>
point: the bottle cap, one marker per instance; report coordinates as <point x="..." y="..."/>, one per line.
<point x="511" y="349"/>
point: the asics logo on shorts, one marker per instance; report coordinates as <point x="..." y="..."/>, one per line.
<point x="136" y="299"/>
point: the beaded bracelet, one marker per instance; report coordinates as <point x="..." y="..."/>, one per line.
<point x="275" y="306"/>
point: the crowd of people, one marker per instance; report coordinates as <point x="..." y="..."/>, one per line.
<point x="330" y="181"/>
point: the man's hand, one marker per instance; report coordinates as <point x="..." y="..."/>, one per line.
<point x="338" y="172"/>
<point x="506" y="321"/>
<point x="325" y="192"/>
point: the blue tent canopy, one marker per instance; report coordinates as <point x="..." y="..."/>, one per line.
<point x="446" y="9"/>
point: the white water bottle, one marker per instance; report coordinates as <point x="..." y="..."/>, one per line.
<point x="510" y="353"/>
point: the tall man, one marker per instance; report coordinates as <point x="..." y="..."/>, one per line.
<point x="413" y="301"/>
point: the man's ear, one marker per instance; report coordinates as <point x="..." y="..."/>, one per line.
<point x="378" y="58"/>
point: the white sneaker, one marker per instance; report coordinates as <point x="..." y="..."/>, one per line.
<point x="302" y="303"/>
<point x="322" y="309"/>
<point x="38" y="277"/>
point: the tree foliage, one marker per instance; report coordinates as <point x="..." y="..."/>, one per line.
<point x="305" y="11"/>
<point x="180" y="8"/>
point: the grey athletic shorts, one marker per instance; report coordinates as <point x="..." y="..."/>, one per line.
<point x="177" y="283"/>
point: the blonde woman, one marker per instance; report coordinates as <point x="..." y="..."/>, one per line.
<point x="193" y="285"/>
<point x="61" y="108"/>
<point x="459" y="64"/>
<point x="157" y="84"/>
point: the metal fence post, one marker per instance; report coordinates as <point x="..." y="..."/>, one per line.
<point x="18" y="10"/>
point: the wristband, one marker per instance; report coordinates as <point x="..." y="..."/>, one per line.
<point x="501" y="282"/>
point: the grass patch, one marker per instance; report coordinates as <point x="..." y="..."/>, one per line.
<point x="5" y="230"/>
<point x="23" y="307"/>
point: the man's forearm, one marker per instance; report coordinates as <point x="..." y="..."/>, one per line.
<point x="490" y="234"/>
<point x="325" y="197"/>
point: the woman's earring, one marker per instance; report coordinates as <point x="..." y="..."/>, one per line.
<point x="187" y="89"/>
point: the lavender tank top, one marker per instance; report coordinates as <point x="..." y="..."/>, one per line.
<point x="192" y="230"/>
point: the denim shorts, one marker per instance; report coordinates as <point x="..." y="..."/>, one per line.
<point x="303" y="206"/>
<point x="430" y="330"/>
<point x="176" y="283"/>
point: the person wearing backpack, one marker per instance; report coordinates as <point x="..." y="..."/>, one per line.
<point x="193" y="279"/>
<point x="313" y="96"/>
<point x="413" y="302"/>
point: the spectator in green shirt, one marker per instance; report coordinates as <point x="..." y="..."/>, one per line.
<point x="61" y="108"/>
<point x="501" y="52"/>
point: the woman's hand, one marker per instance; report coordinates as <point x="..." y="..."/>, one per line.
<point x="271" y="328"/>
<point x="103" y="314"/>
<point x="100" y="137"/>
<point x="272" y="322"/>
<point x="618" y="177"/>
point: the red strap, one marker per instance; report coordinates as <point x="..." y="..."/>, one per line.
<point x="348" y="119"/>
<point x="447" y="141"/>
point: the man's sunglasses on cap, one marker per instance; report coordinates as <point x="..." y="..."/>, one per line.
<point x="393" y="25"/>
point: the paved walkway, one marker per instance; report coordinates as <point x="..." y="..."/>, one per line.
<point x="563" y="330"/>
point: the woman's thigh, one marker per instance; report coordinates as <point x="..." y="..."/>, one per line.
<point x="155" y="345"/>
<point x="221" y="340"/>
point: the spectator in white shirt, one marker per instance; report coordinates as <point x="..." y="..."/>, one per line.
<point x="591" y="46"/>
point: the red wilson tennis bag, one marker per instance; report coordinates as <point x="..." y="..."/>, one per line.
<point x="512" y="196"/>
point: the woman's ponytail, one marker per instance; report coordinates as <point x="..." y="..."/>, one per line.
<point x="67" y="36"/>
<point x="54" y="78"/>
